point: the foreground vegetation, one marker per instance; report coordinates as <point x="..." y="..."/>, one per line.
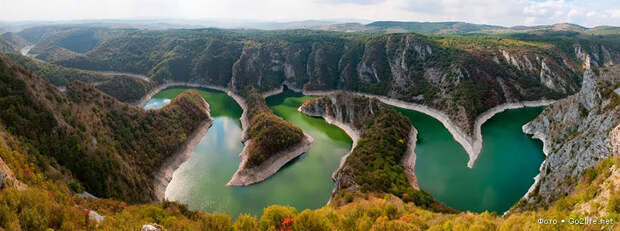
<point x="57" y="144"/>
<point x="270" y="134"/>
<point x="50" y="205"/>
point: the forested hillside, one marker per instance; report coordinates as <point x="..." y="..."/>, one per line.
<point x="462" y="76"/>
<point x="374" y="164"/>
<point x="60" y="42"/>
<point x="112" y="148"/>
<point x="56" y="144"/>
<point x="57" y="75"/>
<point x="269" y="133"/>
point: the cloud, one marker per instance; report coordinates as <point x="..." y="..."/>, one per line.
<point x="359" y="2"/>
<point x="518" y="12"/>
<point x="507" y="13"/>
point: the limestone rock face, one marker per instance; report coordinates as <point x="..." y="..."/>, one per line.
<point x="151" y="227"/>
<point x="577" y="132"/>
<point x="95" y="217"/>
<point x="462" y="78"/>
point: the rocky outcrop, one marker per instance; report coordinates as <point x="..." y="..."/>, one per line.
<point x="576" y="132"/>
<point x="462" y="79"/>
<point x="596" y="55"/>
<point x="95" y="217"/>
<point x="151" y="227"/>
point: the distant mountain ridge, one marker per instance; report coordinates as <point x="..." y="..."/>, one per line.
<point x="460" y="76"/>
<point x="460" y="28"/>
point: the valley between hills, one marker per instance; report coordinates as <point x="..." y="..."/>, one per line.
<point x="316" y="129"/>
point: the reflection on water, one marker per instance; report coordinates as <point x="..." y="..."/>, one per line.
<point x="156" y="103"/>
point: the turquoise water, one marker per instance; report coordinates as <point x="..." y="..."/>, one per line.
<point x="502" y="174"/>
<point x="305" y="183"/>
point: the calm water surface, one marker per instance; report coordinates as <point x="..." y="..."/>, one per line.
<point x="502" y="174"/>
<point x="305" y="183"/>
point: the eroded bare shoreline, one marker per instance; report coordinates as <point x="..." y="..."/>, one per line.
<point x="242" y="176"/>
<point x="471" y="144"/>
<point x="164" y="174"/>
<point x="246" y="176"/>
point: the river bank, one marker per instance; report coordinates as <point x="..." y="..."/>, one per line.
<point x="164" y="174"/>
<point x="408" y="161"/>
<point x="246" y="176"/>
<point x="527" y="129"/>
<point x="471" y="143"/>
<point x="355" y="137"/>
<point x="243" y="176"/>
<point x="154" y="91"/>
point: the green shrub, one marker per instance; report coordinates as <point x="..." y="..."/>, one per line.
<point x="216" y="222"/>
<point x="269" y="133"/>
<point x="274" y="215"/>
<point x="246" y="223"/>
<point x="309" y="220"/>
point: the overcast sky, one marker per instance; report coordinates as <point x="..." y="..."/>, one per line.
<point x="497" y="12"/>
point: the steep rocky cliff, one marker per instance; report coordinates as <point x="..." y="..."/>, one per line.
<point x="460" y="76"/>
<point x="577" y="132"/>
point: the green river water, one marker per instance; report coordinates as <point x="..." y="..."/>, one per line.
<point x="502" y="174"/>
<point x="305" y="183"/>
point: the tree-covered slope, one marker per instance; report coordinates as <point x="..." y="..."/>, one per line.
<point x="269" y="133"/>
<point x="54" y="144"/>
<point x="124" y="88"/>
<point x="377" y="163"/>
<point x="462" y="76"/>
<point x="57" y="75"/>
<point x="65" y="41"/>
<point x="112" y="148"/>
<point x="6" y="46"/>
<point x="12" y="42"/>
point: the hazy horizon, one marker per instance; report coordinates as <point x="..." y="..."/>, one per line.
<point x="514" y="13"/>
